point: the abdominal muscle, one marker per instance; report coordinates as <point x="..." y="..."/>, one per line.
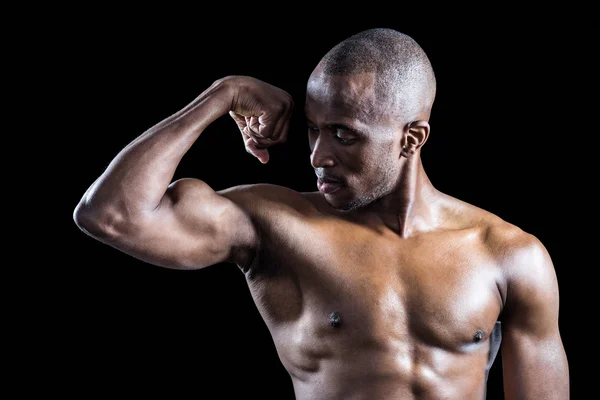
<point x="355" y="365"/>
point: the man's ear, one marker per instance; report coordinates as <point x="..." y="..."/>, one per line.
<point x="415" y="136"/>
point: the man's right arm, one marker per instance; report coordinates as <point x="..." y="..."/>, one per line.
<point x="135" y="207"/>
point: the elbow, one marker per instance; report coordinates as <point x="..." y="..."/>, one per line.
<point x="83" y="218"/>
<point x="99" y="223"/>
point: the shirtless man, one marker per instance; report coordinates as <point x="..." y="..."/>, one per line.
<point x="376" y="286"/>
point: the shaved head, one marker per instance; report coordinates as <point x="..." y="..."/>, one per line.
<point x="404" y="82"/>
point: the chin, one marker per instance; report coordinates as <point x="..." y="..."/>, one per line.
<point x="345" y="204"/>
<point x="338" y="203"/>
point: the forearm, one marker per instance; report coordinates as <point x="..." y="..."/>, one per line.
<point x="138" y="177"/>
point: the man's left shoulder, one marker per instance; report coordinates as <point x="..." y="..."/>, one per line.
<point x="527" y="278"/>
<point x="514" y="248"/>
<point x="501" y="238"/>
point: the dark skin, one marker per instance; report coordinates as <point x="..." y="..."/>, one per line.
<point x="385" y="288"/>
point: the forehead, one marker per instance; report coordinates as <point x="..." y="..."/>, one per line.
<point x="350" y="96"/>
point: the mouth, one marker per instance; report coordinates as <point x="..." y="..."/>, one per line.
<point x="327" y="185"/>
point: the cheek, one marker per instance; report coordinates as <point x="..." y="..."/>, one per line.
<point x="381" y="168"/>
<point x="365" y="171"/>
<point x="355" y="161"/>
<point x="378" y="160"/>
<point x="368" y="165"/>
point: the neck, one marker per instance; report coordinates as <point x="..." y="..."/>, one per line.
<point x="411" y="207"/>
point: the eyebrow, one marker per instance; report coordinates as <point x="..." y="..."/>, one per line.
<point x="341" y="126"/>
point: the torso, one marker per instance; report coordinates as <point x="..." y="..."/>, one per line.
<point x="413" y="316"/>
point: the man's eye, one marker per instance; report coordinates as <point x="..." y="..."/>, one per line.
<point x="313" y="128"/>
<point x="345" y="140"/>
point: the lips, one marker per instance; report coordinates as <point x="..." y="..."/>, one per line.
<point x="327" y="185"/>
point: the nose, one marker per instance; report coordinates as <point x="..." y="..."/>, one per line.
<point x="321" y="155"/>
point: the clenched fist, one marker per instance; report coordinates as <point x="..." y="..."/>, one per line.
<point x="262" y="113"/>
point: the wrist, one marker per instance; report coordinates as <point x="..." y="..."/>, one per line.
<point x="213" y="103"/>
<point x="220" y="94"/>
<point x="227" y="90"/>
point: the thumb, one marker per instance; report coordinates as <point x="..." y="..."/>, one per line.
<point x="261" y="154"/>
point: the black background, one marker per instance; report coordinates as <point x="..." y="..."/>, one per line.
<point x="120" y="326"/>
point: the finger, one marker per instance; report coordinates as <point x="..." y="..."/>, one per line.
<point x="245" y="124"/>
<point x="255" y="125"/>
<point x="268" y="126"/>
<point x="252" y="124"/>
<point x="261" y="154"/>
<point x="257" y="142"/>
<point x="236" y="117"/>
<point x="261" y="143"/>
<point x="239" y="119"/>
<point x="255" y="146"/>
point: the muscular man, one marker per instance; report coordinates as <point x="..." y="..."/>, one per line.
<point x="376" y="286"/>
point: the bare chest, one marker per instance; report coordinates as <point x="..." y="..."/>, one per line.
<point x="366" y="286"/>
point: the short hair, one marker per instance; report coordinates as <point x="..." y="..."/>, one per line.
<point x="404" y="76"/>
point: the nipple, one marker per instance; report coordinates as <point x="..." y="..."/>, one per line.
<point x="478" y="335"/>
<point x="335" y="319"/>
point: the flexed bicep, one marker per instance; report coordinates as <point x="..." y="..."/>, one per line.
<point x="193" y="227"/>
